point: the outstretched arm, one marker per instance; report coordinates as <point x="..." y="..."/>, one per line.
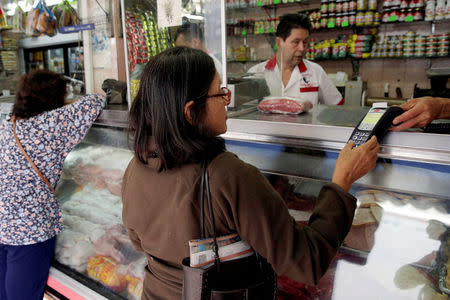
<point x="420" y="112"/>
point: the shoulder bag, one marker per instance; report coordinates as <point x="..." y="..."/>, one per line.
<point x="13" y="120"/>
<point x="250" y="278"/>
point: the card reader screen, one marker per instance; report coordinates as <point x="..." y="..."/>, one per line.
<point x="368" y="123"/>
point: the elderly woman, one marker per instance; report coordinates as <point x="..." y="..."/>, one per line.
<point x="30" y="217"/>
<point x="177" y="116"/>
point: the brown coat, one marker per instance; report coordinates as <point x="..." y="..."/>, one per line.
<point x="161" y="212"/>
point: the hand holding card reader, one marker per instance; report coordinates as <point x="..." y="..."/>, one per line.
<point x="376" y="122"/>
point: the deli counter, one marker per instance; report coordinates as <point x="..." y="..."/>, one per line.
<point x="398" y="247"/>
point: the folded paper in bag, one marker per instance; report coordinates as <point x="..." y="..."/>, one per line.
<point x="284" y="105"/>
<point x="230" y="247"/>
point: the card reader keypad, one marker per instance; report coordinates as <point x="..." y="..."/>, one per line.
<point x="360" y="137"/>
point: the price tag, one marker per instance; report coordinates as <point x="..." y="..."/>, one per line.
<point x="244" y="32"/>
<point x="409" y="18"/>
<point x="392" y="18"/>
<point x="345" y="24"/>
<point x="259" y="3"/>
<point x="261" y="30"/>
<point x="276" y="1"/>
<point x="331" y="25"/>
<point x="271" y="30"/>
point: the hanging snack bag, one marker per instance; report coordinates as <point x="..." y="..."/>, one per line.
<point x="31" y="22"/>
<point x="3" y="23"/>
<point x="284" y="105"/>
<point x="18" y="20"/>
<point x="65" y="14"/>
<point x="46" y="22"/>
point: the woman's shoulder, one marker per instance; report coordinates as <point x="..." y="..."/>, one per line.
<point x="228" y="162"/>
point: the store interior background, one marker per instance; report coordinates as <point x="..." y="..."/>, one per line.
<point x="109" y="60"/>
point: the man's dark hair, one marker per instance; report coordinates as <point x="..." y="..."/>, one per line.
<point x="169" y="81"/>
<point x="190" y="31"/>
<point x="39" y="91"/>
<point x="290" y="21"/>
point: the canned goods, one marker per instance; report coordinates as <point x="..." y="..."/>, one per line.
<point x="331" y="6"/>
<point x="345" y="6"/>
<point x="385" y="17"/>
<point x="360" y="17"/>
<point x="361" y="5"/>
<point x="339" y="19"/>
<point x="352" y="18"/>
<point x="368" y="18"/>
<point x="372" y="5"/>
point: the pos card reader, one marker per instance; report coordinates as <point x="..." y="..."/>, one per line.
<point x="376" y="122"/>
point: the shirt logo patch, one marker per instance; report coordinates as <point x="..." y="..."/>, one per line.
<point x="309" y="89"/>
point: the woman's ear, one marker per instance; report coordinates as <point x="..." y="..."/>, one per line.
<point x="187" y="111"/>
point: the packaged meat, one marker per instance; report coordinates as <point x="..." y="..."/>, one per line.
<point x="284" y="105"/>
<point x="103" y="269"/>
<point x="135" y="287"/>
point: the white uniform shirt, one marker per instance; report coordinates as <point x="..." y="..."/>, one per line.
<point x="308" y="82"/>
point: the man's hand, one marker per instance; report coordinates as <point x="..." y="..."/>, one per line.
<point x="354" y="163"/>
<point x="420" y="112"/>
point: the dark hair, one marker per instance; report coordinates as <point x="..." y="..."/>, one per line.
<point x="190" y="31"/>
<point x="169" y="81"/>
<point x="290" y="21"/>
<point x="39" y="91"/>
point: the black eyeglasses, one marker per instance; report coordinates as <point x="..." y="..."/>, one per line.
<point x="226" y="95"/>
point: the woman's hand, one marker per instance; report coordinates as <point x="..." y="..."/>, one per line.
<point x="354" y="163"/>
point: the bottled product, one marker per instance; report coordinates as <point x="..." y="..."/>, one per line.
<point x="430" y="10"/>
<point x="440" y="10"/>
<point x="372" y="5"/>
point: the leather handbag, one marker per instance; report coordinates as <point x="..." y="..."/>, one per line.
<point x="13" y="120"/>
<point x="249" y="278"/>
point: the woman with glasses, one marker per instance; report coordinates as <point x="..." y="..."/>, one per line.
<point x="176" y="119"/>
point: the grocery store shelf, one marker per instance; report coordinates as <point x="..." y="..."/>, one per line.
<point x="269" y="6"/>
<point x="45" y="41"/>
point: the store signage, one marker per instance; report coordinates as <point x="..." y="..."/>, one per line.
<point x="76" y="28"/>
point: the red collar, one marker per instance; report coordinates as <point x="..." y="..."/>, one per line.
<point x="270" y="65"/>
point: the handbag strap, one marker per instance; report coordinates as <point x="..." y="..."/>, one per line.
<point x="205" y="188"/>
<point x="13" y="120"/>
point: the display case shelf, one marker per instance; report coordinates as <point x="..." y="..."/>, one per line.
<point x="45" y="41"/>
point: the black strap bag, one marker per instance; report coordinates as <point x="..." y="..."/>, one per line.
<point x="248" y="278"/>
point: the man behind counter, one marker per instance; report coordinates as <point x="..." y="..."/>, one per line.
<point x="288" y="74"/>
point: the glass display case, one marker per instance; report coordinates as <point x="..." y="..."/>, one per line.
<point x="398" y="246"/>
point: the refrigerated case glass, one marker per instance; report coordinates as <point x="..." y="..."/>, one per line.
<point x="396" y="249"/>
<point x="94" y="248"/>
<point x="55" y="58"/>
<point x="76" y="63"/>
<point x="62" y="59"/>
<point x="399" y="243"/>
